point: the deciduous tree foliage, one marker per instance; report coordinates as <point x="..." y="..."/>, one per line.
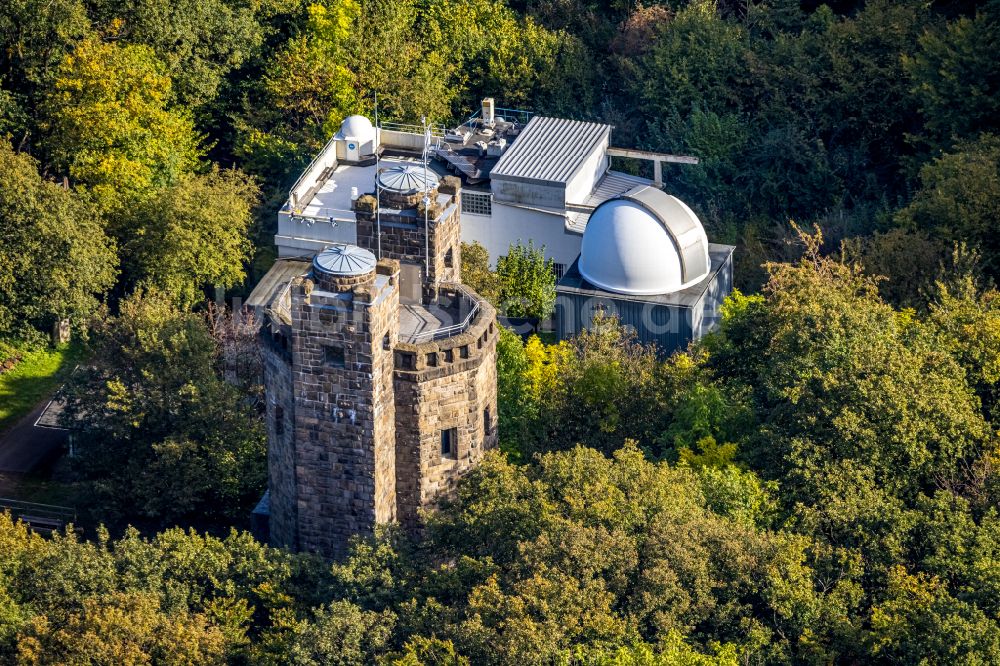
<point x="817" y="482"/>
<point x="110" y="125"/>
<point x="160" y="434"/>
<point x="55" y="259"/>
<point x="526" y="282"/>
<point x="192" y="234"/>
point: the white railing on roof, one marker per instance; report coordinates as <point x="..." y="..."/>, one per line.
<point x="520" y="116"/>
<point x="328" y="215"/>
<point x="309" y="169"/>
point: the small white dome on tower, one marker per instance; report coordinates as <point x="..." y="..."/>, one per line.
<point x="358" y="128"/>
<point x="642" y="243"/>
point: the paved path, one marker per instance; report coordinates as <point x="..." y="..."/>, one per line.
<point x="25" y="446"/>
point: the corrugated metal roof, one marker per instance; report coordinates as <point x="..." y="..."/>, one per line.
<point x="550" y="149"/>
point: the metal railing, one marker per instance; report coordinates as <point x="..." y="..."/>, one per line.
<point x="437" y="131"/>
<point x="43" y="518"/>
<point x="312" y="163"/>
<point x="453" y="329"/>
<point x="520" y="116"/>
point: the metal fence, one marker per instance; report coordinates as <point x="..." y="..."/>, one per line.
<point x="42" y="518"/>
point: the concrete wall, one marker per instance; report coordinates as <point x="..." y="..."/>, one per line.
<point x="409" y="141"/>
<point x="510" y="224"/>
<point x="327" y="158"/>
<point x="295" y="238"/>
<point x="580" y="186"/>
<point x="530" y="193"/>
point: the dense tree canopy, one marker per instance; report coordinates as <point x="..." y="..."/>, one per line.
<point x="818" y="481"/>
<point x="160" y="434"/>
<point x="55" y="258"/>
<point x="109" y="124"/>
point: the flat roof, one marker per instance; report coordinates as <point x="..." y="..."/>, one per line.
<point x="332" y="199"/>
<point x="275" y="280"/>
<point x="550" y="150"/>
<point x="574" y="283"/>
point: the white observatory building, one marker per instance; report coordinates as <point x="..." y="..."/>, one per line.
<point x="646" y="259"/>
<point x="527" y="178"/>
<point x="524" y="177"/>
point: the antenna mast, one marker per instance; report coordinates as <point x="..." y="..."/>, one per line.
<point x="378" y="190"/>
<point x="427" y="201"/>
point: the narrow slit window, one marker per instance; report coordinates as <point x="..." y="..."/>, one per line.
<point x="449" y="443"/>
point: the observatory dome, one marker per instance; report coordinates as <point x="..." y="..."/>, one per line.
<point x="644" y="242"/>
<point x="406" y="179"/>
<point x="344" y="261"/>
<point x="358" y="128"/>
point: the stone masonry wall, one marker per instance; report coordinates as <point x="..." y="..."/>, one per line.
<point x="345" y="454"/>
<point x="403" y="238"/>
<point x="440" y="385"/>
<point x="281" y="444"/>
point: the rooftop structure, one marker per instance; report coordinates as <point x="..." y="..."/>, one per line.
<point x="551" y="150"/>
<point x="525" y="177"/>
<point x="646" y="259"/>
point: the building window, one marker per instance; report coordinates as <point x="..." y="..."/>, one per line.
<point x="449" y="258"/>
<point x="386" y="342"/>
<point x="449" y="443"/>
<point x="334" y="356"/>
<point x="487" y="422"/>
<point x="477" y="203"/>
<point x="559" y="270"/>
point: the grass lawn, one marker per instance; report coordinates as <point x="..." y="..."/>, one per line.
<point x="37" y="374"/>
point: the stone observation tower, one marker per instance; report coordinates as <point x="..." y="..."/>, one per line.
<point x="379" y="367"/>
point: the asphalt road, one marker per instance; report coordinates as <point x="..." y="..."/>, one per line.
<point x="25" y="446"/>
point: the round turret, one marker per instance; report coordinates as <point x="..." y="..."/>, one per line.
<point x="342" y="267"/>
<point x="403" y="186"/>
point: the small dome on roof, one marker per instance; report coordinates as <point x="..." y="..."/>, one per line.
<point x="344" y="260"/>
<point x="407" y="179"/>
<point x="642" y="243"/>
<point x="356" y="127"/>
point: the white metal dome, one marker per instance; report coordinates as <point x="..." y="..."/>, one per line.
<point x="358" y="128"/>
<point x="344" y="260"/>
<point x="406" y="179"/>
<point x="642" y="243"/>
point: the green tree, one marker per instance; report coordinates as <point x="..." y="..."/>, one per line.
<point x="199" y="41"/>
<point x="341" y="634"/>
<point x="108" y="121"/>
<point x="125" y="629"/>
<point x="55" y="259"/>
<point x="959" y="198"/>
<point x="526" y="282"/>
<point x="192" y="234"/>
<point x="843" y="376"/>
<point x="955" y="80"/>
<point x="476" y="270"/>
<point x="159" y="433"/>
<point x="921" y="621"/>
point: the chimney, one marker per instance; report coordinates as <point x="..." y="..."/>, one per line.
<point x="489" y="111"/>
